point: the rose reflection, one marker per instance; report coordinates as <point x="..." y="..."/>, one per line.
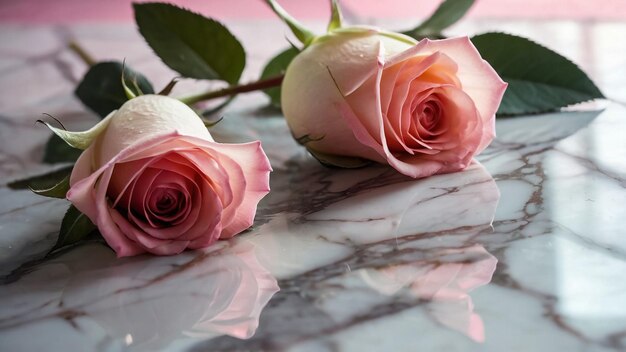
<point x="431" y="223"/>
<point x="150" y="302"/>
<point x="444" y="281"/>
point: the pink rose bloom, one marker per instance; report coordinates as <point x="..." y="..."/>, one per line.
<point x="153" y="180"/>
<point x="424" y="108"/>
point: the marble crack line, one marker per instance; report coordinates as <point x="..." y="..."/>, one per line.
<point x="4" y="323"/>
<point x="591" y="165"/>
<point x="362" y="255"/>
<point x="548" y="302"/>
<point x="591" y="244"/>
<point x="377" y="312"/>
<point x="38" y="203"/>
<point x="411" y="203"/>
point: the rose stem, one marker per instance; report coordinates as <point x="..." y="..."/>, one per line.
<point x="232" y="90"/>
<point x="84" y="55"/>
<point x="228" y="91"/>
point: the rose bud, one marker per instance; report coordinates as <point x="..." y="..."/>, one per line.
<point x="362" y="93"/>
<point x="154" y="180"/>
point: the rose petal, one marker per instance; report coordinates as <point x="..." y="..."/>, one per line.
<point x="478" y="78"/>
<point x="255" y="169"/>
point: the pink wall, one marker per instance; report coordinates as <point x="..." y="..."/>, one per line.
<point x="69" y="11"/>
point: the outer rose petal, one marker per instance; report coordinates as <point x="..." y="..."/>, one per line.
<point x="478" y="78"/>
<point x="256" y="168"/>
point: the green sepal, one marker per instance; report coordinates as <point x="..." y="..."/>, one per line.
<point x="168" y="88"/>
<point x="129" y="93"/>
<point x="44" y="181"/>
<point x="59" y="190"/>
<point x="80" y="140"/>
<point x="336" y="18"/>
<point x="304" y="35"/>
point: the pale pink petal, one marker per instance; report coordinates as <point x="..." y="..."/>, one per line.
<point x="479" y="80"/>
<point x="207" y="163"/>
<point x="256" y="169"/>
<point x="124" y="176"/>
<point x="83" y="167"/>
<point x="388" y="85"/>
<point x="366" y="101"/>
<point x="112" y="234"/>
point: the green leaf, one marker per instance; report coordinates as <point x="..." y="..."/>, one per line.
<point x="540" y="80"/>
<point x="447" y="14"/>
<point x="189" y="43"/>
<point x="43" y="181"/>
<point x="75" y="226"/>
<point x="57" y="191"/>
<point x="101" y="89"/>
<point x="277" y="66"/>
<point x="57" y="151"/>
<point x="304" y="35"/>
<point x="335" y="17"/>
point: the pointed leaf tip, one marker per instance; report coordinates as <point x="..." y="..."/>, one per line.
<point x="554" y="81"/>
<point x="447" y="14"/>
<point x="75" y="227"/>
<point x="59" y="190"/>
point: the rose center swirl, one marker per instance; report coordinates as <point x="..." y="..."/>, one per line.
<point x="167" y="204"/>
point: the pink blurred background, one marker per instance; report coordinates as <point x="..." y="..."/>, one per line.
<point x="76" y="11"/>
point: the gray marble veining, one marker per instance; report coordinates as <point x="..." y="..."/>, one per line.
<point x="523" y="251"/>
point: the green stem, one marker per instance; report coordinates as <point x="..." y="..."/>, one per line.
<point x="84" y="55"/>
<point x="234" y="90"/>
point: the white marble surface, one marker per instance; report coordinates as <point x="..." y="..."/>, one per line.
<point x="524" y="251"/>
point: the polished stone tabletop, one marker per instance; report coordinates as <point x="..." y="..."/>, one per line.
<point x="523" y="251"/>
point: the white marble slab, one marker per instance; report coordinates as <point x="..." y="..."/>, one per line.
<point x="523" y="251"/>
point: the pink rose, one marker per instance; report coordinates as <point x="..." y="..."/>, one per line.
<point x="155" y="181"/>
<point x="424" y="108"/>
